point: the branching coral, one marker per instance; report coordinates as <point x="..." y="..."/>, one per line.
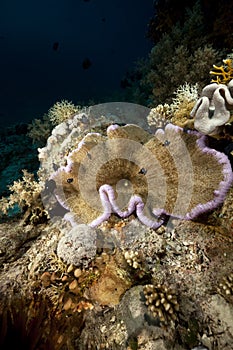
<point x="61" y="111"/>
<point x="40" y="129"/>
<point x="162" y="302"/>
<point x="159" y="116"/>
<point x="133" y="258"/>
<point x="185" y="92"/>
<point x="183" y="55"/>
<point x="223" y="74"/>
<point x="166" y="74"/>
<point x="131" y="171"/>
<point x="182" y="104"/>
<point x="26" y="194"/>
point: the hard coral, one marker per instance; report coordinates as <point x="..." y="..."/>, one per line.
<point x="182" y="104"/>
<point x="171" y="173"/>
<point x="62" y="111"/>
<point x="225" y="287"/>
<point x="159" y="116"/>
<point x="213" y="108"/>
<point x="162" y="302"/>
<point x="223" y="74"/>
<point x="40" y="129"/>
<point x="78" y="247"/>
<point x="26" y="194"/>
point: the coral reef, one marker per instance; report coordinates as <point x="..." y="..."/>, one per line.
<point x="181" y="55"/>
<point x="66" y="135"/>
<point x="40" y="129"/>
<point x="74" y="282"/>
<point x="18" y="145"/>
<point x="100" y="302"/>
<point x="125" y="171"/>
<point x="178" y="112"/>
<point x="215" y="20"/>
<point x="182" y="66"/>
<point x="192" y="256"/>
<point x="158" y="84"/>
<point x="114" y="279"/>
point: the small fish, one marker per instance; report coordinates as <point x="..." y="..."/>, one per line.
<point x="143" y="171"/>
<point x="166" y="143"/>
<point x="86" y="64"/>
<point x="55" y="46"/>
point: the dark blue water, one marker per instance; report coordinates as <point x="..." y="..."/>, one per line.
<point x="66" y="49"/>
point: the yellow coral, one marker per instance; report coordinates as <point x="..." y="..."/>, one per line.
<point x="26" y="194"/>
<point x="61" y="111"/>
<point x="223" y="74"/>
<point x="182" y="104"/>
<point x="40" y="129"/>
<point x="159" y="116"/>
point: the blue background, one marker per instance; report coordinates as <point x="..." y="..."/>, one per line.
<point x="112" y="34"/>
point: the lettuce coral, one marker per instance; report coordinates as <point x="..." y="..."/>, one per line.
<point x="128" y="170"/>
